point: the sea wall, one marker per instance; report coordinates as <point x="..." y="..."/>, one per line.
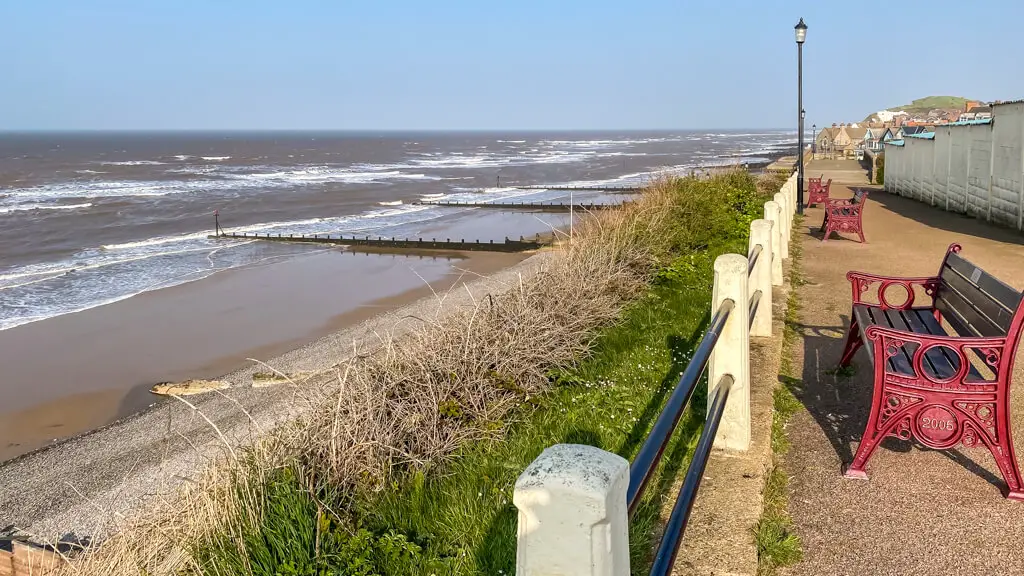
<point x="975" y="169"/>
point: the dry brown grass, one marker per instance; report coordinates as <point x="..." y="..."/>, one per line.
<point x="415" y="400"/>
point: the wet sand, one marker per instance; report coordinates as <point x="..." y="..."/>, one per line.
<point x="74" y="373"/>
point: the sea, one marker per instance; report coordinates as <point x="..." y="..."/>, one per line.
<point x="90" y="218"/>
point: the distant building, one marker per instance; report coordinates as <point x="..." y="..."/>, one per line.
<point x="873" y="138"/>
<point x="977" y="113"/>
<point x="889" y="115"/>
<point x="892" y="133"/>
<point x="840" y="139"/>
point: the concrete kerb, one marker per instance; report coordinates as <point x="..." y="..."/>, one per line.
<point x="572" y="503"/>
<point x="760" y="283"/>
<point x="786" y="220"/>
<point x="719" y="538"/>
<point x="772" y="213"/>
<point x="731" y="355"/>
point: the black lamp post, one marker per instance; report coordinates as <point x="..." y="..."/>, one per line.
<point x="801" y="34"/>
<point x="814" y="140"/>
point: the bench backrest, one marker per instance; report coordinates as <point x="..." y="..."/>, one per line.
<point x="974" y="302"/>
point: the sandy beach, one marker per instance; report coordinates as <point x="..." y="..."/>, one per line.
<point x="88" y="484"/>
<point x="70" y="374"/>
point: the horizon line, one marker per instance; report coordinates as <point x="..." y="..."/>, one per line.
<point x="370" y="130"/>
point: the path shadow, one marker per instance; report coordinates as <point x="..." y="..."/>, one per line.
<point x="840" y="401"/>
<point x="939" y="218"/>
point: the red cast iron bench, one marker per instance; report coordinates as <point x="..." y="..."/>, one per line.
<point x="818" y="194"/>
<point x="940" y="387"/>
<point x="845" y="215"/>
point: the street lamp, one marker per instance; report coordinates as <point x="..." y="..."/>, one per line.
<point x="814" y="140"/>
<point x="801" y="34"/>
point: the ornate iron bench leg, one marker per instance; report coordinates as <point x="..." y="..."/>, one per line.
<point x="1001" y="446"/>
<point x="881" y="421"/>
<point x="853" y="342"/>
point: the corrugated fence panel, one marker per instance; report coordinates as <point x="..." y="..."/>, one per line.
<point x="956" y="187"/>
<point x="940" y="167"/>
<point x="979" y="168"/>
<point x="1007" y="165"/>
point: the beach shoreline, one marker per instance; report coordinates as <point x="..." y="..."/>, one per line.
<point x="88" y="484"/>
<point x="112" y="379"/>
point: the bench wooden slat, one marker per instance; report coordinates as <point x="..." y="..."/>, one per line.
<point x="899" y="363"/>
<point x="993" y="287"/>
<point x="860" y="313"/>
<point x="963" y="317"/>
<point x="978" y="299"/>
<point x="936" y="360"/>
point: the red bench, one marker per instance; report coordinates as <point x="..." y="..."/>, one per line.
<point x="845" y="215"/>
<point x="816" y="193"/>
<point x="940" y="387"/>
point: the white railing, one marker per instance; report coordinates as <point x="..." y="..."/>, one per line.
<point x="574" y="500"/>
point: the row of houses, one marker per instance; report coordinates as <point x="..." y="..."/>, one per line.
<point x="846" y="139"/>
<point x="973" y="110"/>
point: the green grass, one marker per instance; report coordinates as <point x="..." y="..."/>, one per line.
<point x="777" y="545"/>
<point x="457" y="518"/>
<point x="609" y="401"/>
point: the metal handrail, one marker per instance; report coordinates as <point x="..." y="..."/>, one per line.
<point x="665" y="557"/>
<point x="752" y="258"/>
<point x="755" y="300"/>
<point x="647" y="458"/>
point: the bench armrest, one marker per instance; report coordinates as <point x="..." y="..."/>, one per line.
<point x="861" y="283"/>
<point x="888" y="341"/>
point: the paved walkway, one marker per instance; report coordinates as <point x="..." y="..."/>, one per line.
<point x="922" y="511"/>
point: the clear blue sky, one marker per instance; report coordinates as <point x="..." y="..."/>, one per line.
<point x="490" y="64"/>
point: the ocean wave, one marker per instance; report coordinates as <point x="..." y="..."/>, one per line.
<point x="28" y="207"/>
<point x="320" y="174"/>
<point x="133" y="163"/>
<point x="215" y="158"/>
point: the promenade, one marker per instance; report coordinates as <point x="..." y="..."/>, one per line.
<point x="921" y="511"/>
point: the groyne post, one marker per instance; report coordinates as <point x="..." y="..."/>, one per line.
<point x="731" y="355"/>
<point x="572" y="513"/>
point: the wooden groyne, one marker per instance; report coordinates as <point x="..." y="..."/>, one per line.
<point x="542" y="206"/>
<point x="447" y="244"/>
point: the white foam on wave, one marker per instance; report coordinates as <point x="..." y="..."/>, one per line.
<point x="183" y="157"/>
<point x="215" y="158"/>
<point x="102" y="189"/>
<point x="133" y="163"/>
<point x="322" y="174"/>
<point x="113" y="272"/>
<point x="31" y="207"/>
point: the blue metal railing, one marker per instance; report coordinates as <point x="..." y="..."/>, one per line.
<point x="641" y="470"/>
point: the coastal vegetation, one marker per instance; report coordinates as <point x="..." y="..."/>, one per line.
<point x="405" y="459"/>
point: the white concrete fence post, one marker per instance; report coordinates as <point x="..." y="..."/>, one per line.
<point x="761" y="277"/>
<point x="785" y="218"/>
<point x="572" y="513"/>
<point x="731" y="354"/>
<point x="772" y="213"/>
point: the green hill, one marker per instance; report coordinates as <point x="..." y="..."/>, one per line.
<point x="928" y="103"/>
<point x="932" y="102"/>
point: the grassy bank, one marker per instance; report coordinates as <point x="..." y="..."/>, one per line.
<point x="407" y="461"/>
